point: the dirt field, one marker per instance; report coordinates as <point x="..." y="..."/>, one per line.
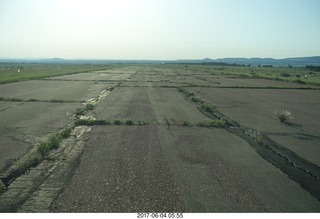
<point x="155" y="148"/>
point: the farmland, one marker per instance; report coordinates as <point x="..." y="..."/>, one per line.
<point x="158" y="138"/>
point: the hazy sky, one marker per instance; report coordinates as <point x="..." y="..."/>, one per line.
<point x="159" y="29"/>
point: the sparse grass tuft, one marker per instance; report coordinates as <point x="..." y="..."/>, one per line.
<point x="284" y="116"/>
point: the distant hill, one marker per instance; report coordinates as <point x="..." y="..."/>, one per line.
<point x="295" y="62"/>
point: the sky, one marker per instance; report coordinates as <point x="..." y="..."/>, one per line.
<point x="159" y="29"/>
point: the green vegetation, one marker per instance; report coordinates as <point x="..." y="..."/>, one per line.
<point x="14" y="99"/>
<point x="308" y="75"/>
<point x="80" y="111"/>
<point x="208" y="107"/>
<point x="190" y="95"/>
<point x="212" y="123"/>
<point x="205" y="106"/>
<point x="14" y="72"/>
<point x="186" y="123"/>
<point x="2" y="186"/>
<point x="129" y="122"/>
<point x="117" y="122"/>
<point x="89" y="107"/>
<point x="89" y="122"/>
<point x="284" y="116"/>
<point x="42" y="151"/>
<point x="45" y="147"/>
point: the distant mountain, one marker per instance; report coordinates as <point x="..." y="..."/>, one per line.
<point x="295" y="62"/>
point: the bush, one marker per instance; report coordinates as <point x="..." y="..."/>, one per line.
<point x="117" y="122"/>
<point x="43" y="148"/>
<point x="208" y="107"/>
<point x="212" y="123"/>
<point x="299" y="81"/>
<point x="53" y="142"/>
<point x="89" y="106"/>
<point x="129" y="122"/>
<point x="88" y="122"/>
<point x="65" y="133"/>
<point x="2" y="186"/>
<point x="80" y="111"/>
<point x="284" y="116"/>
<point x="285" y="75"/>
<point x="186" y="123"/>
<point x="196" y="99"/>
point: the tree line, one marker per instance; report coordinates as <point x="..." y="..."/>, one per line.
<point x="313" y="67"/>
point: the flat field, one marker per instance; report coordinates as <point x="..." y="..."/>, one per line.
<point x="161" y="138"/>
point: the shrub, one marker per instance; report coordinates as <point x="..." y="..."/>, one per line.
<point x="53" y="142"/>
<point x="196" y="99"/>
<point x="142" y="123"/>
<point x="186" y="123"/>
<point x="299" y="81"/>
<point x="129" y="122"/>
<point x="65" y="133"/>
<point x="117" y="122"/>
<point x="88" y="122"/>
<point x="43" y="148"/>
<point x="208" y="107"/>
<point x="2" y="186"/>
<point x="80" y="111"/>
<point x="284" y="116"/>
<point x="212" y="123"/>
<point x="89" y="106"/>
<point x="285" y="75"/>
